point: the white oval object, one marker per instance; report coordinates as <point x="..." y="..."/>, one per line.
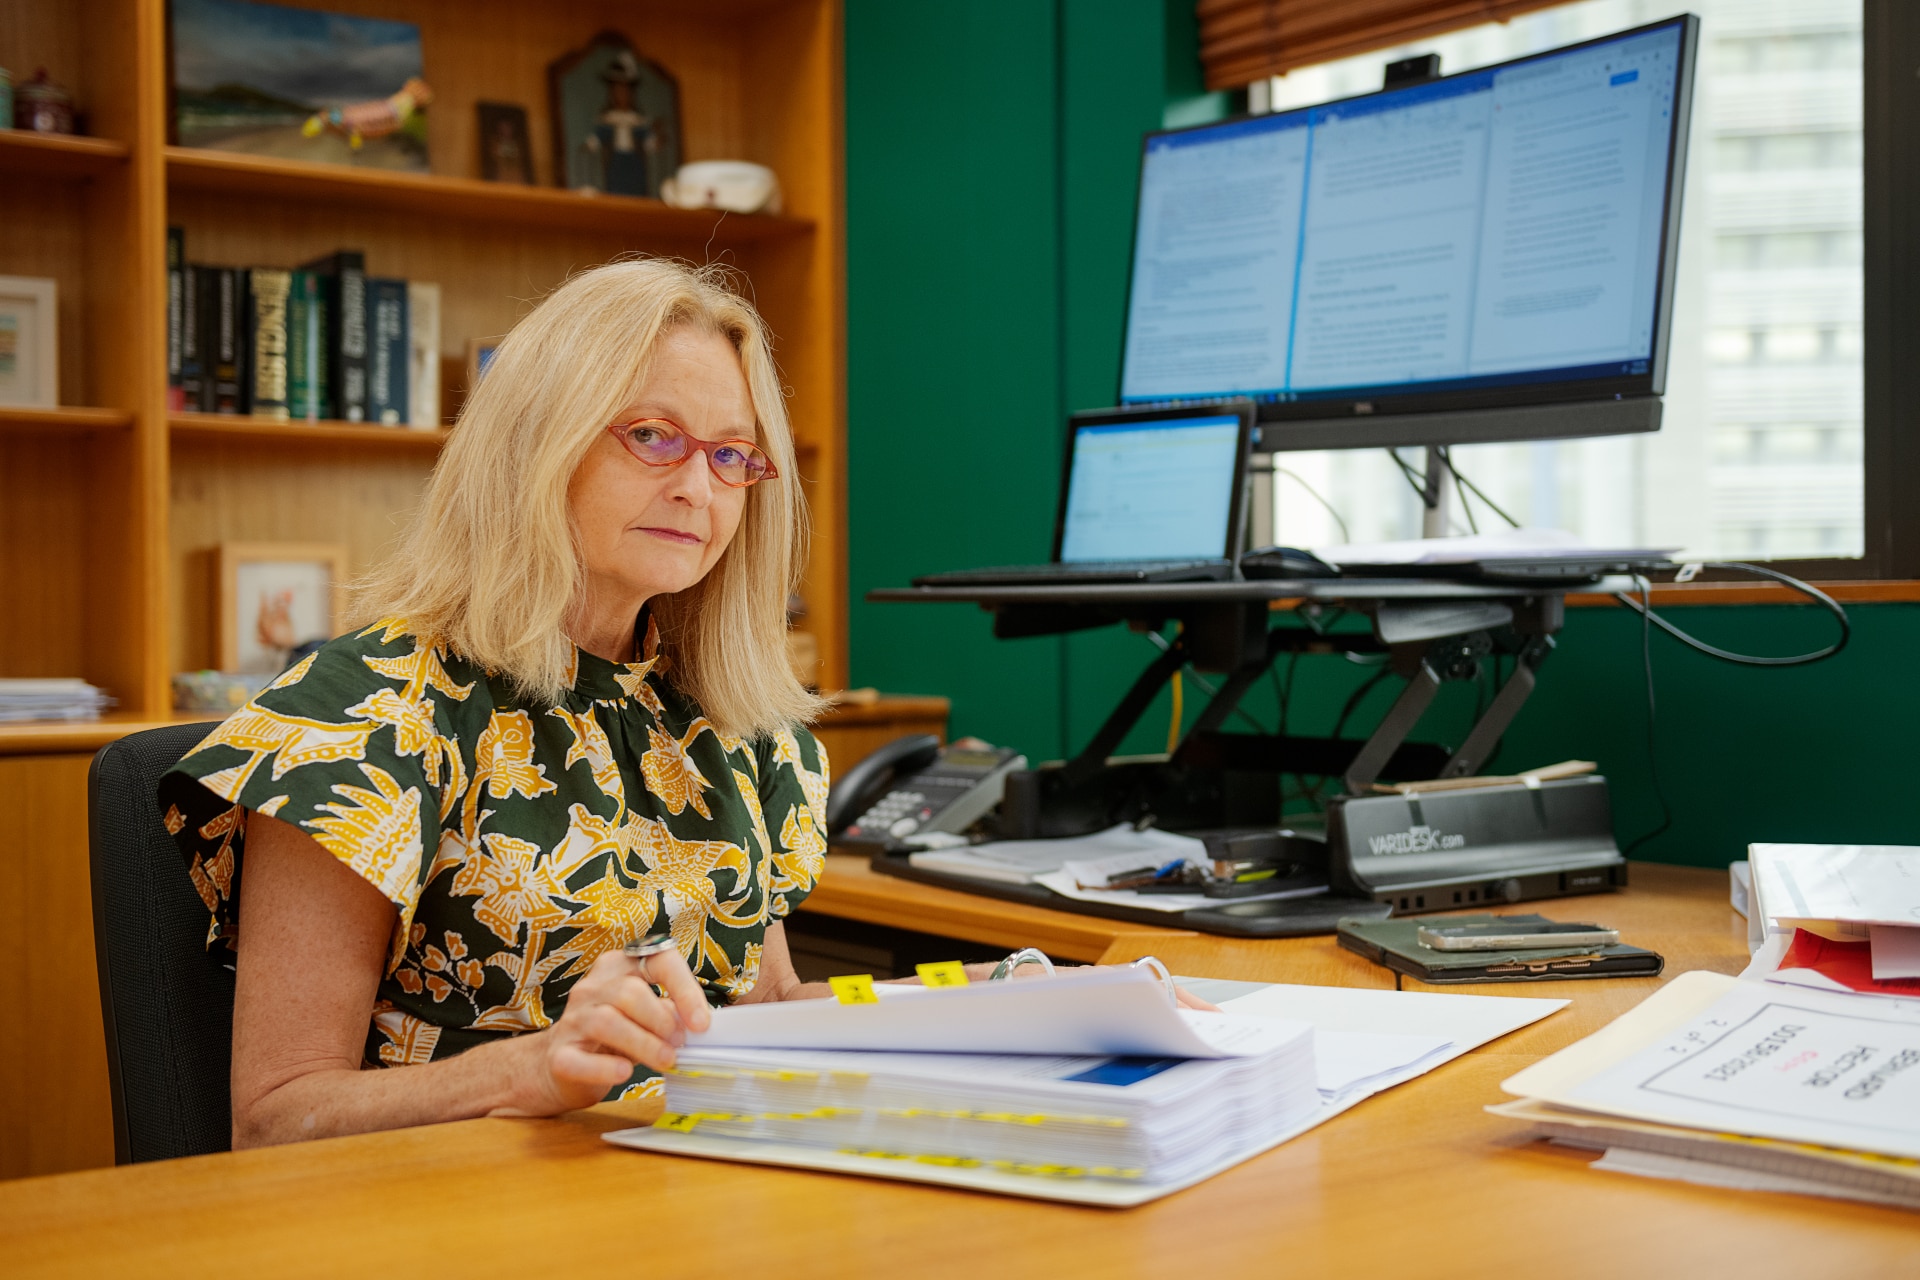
<point x="735" y="185"/>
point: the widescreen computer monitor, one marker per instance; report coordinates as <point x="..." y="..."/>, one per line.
<point x="1153" y="486"/>
<point x="1488" y="255"/>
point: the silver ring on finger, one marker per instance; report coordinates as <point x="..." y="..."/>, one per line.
<point x="643" y="949"/>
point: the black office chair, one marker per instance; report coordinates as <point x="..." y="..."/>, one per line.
<point x="167" y="1001"/>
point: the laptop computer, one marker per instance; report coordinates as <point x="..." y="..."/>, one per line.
<point x="1146" y="495"/>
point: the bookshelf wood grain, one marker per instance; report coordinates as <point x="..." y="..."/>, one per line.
<point x="65" y="418"/>
<point x="494" y="203"/>
<point x="269" y="431"/>
<point x="56" y="155"/>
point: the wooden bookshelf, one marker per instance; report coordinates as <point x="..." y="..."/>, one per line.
<point x="493" y="203"/>
<point x="216" y="426"/>
<point x="53" y="155"/>
<point x="65" y="418"/>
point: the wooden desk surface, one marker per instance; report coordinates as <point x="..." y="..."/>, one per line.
<point x="1417" y="1181"/>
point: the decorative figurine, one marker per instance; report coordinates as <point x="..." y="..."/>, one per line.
<point x="358" y="121"/>
<point x="616" y="119"/>
<point x="44" y="106"/>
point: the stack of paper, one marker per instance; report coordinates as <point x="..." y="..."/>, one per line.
<point x="1747" y="1084"/>
<point x="72" y="699"/>
<point x="1848" y="916"/>
<point x="1089" y="1086"/>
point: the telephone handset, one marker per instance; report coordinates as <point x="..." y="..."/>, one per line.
<point x="913" y="786"/>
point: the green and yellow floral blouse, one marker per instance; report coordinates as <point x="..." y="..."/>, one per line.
<point x="516" y="841"/>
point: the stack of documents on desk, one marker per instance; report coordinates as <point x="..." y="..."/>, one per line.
<point x="1837" y="917"/>
<point x="51" y="700"/>
<point x="1743" y="1084"/>
<point x="1088" y="1086"/>
<point x="1073" y="867"/>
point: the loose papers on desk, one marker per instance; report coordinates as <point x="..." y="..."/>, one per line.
<point x="1063" y="865"/>
<point x="1866" y="897"/>
<point x="1024" y="861"/>
<point x="1719" y="1069"/>
<point x="1466" y="549"/>
<point x="1282" y="1080"/>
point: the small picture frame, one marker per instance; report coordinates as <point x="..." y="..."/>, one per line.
<point x="273" y="597"/>
<point x="29" y="342"/>
<point x="506" y="154"/>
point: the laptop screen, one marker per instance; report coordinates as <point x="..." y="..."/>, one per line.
<point x="1155" y="490"/>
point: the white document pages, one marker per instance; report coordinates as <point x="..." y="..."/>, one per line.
<point x="1709" y="1052"/>
<point x="1081" y="1012"/>
<point x="1858" y="884"/>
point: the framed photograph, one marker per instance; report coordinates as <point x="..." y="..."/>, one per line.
<point x="29" y="342"/>
<point x="298" y="84"/>
<point x="616" y="119"/>
<point x="505" y="154"/>
<point x="273" y="597"/>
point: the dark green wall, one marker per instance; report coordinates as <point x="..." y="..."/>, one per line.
<point x="992" y="148"/>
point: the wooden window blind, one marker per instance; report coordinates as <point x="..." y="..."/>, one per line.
<point x="1245" y="40"/>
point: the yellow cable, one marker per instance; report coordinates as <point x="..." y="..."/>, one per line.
<point x="1173" y="725"/>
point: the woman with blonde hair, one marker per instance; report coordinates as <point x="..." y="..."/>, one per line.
<point x="567" y="723"/>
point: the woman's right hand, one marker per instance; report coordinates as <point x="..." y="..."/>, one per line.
<point x="613" y="1022"/>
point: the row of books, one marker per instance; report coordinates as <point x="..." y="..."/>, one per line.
<point x="320" y="341"/>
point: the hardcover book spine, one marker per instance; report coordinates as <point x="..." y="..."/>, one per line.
<point x="388" y="356"/>
<point x="349" y="354"/>
<point x="306" y="348"/>
<point x="423" y="344"/>
<point x="197" y="339"/>
<point x="229" y="342"/>
<point x="344" y="281"/>
<point x="178" y="314"/>
<point x="267" y="342"/>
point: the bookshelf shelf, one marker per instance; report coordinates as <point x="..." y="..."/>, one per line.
<point x="57" y="155"/>
<point x="219" y="426"/>
<point x="431" y="196"/>
<point x="66" y="418"/>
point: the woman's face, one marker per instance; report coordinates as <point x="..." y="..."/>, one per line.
<point x="647" y="531"/>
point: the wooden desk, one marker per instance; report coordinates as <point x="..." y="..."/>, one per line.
<point x="1417" y="1181"/>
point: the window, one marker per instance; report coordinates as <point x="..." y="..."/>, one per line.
<point x="1760" y="451"/>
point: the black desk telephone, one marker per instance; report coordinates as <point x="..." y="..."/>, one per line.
<point x="913" y="786"/>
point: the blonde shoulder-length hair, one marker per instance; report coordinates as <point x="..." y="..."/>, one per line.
<point x="491" y="566"/>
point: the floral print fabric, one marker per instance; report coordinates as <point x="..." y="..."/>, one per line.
<point x="517" y="842"/>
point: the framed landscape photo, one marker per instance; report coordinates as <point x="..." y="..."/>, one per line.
<point x="29" y="342"/>
<point x="298" y="84"/>
<point x="273" y="597"/>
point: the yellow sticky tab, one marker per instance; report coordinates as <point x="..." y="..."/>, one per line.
<point x="854" y="988"/>
<point x="676" y="1122"/>
<point x="943" y="973"/>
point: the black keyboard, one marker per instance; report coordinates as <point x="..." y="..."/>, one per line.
<point x="1088" y="571"/>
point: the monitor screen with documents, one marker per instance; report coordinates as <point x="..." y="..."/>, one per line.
<point x="1152" y="487"/>
<point x="1501" y="236"/>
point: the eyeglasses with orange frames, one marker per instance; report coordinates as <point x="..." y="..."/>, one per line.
<point x="661" y="442"/>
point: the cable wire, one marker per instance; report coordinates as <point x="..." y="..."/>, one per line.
<point x="1315" y="495"/>
<point x="1645" y="608"/>
<point x="1653" y="759"/>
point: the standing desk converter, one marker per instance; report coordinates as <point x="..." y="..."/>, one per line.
<point x="1427" y="630"/>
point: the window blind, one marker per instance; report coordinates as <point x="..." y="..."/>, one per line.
<point x="1245" y="40"/>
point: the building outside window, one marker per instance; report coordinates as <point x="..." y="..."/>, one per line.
<point x="1759" y="454"/>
